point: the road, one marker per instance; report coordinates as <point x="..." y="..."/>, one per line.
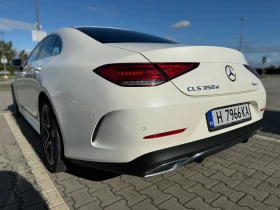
<point x="246" y="176"/>
<point x="272" y="86"/>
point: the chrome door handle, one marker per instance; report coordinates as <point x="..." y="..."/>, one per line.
<point x="39" y="68"/>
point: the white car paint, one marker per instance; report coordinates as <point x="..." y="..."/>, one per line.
<point x="80" y="97"/>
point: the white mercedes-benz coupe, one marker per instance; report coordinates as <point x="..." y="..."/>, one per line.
<point x="128" y="102"/>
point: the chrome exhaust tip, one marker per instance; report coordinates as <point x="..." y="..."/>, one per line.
<point x="166" y="167"/>
<point x="172" y="165"/>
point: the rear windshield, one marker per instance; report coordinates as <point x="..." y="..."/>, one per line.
<point x="111" y="35"/>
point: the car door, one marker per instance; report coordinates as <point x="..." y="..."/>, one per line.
<point x="36" y="75"/>
<point x="23" y="79"/>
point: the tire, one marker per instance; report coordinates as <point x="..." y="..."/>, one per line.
<point x="51" y="139"/>
<point x="16" y="109"/>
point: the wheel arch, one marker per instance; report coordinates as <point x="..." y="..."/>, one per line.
<point x="45" y="96"/>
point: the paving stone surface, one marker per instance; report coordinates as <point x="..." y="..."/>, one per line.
<point x="243" y="177"/>
<point x="18" y="186"/>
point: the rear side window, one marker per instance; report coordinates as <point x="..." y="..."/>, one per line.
<point x="111" y="35"/>
<point x="57" y="47"/>
<point x="34" y="55"/>
<point x="47" y="47"/>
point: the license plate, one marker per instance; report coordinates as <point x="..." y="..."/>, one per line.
<point x="228" y="116"/>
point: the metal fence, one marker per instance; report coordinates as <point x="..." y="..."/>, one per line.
<point x="5" y="72"/>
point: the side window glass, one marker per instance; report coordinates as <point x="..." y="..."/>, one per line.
<point x="34" y="55"/>
<point x="57" y="47"/>
<point x="47" y="47"/>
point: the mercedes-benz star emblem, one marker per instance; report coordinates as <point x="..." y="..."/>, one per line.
<point x="230" y="73"/>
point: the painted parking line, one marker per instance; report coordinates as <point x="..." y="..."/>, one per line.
<point x="267" y="138"/>
<point x="55" y="201"/>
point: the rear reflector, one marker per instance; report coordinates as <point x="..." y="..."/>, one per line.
<point x="251" y="69"/>
<point x="143" y="74"/>
<point x="168" y="133"/>
<point x="262" y="110"/>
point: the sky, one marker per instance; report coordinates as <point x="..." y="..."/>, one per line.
<point x="190" y="22"/>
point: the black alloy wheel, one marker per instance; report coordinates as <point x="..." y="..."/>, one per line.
<point x="51" y="139"/>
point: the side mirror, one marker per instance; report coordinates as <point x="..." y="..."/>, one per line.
<point x="16" y="63"/>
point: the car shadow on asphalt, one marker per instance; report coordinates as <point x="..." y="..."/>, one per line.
<point x="271" y="122"/>
<point x="18" y="193"/>
<point x="81" y="171"/>
<point x="90" y="173"/>
<point x="10" y="108"/>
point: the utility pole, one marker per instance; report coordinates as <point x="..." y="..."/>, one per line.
<point x="38" y="35"/>
<point x="37" y="16"/>
<point x="241" y="34"/>
<point x="3" y="59"/>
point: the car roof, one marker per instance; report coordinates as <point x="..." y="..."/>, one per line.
<point x="100" y="27"/>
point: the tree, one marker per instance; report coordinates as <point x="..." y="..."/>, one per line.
<point x="23" y="55"/>
<point x="10" y="54"/>
<point x="271" y="67"/>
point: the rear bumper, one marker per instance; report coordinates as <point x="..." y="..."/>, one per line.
<point x="168" y="159"/>
<point x="130" y="114"/>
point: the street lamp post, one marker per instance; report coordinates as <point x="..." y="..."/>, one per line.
<point x="37" y="16"/>
<point x="3" y="59"/>
<point x="241" y="34"/>
<point x="38" y="35"/>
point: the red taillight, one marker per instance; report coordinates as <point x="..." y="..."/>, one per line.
<point x="131" y="74"/>
<point x="175" y="69"/>
<point x="251" y="69"/>
<point x="143" y="74"/>
<point x="168" y="133"/>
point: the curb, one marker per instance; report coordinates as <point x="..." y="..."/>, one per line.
<point x="55" y="201"/>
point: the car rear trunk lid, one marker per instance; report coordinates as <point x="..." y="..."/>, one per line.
<point x="220" y="71"/>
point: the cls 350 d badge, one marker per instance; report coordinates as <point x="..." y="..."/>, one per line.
<point x="205" y="87"/>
